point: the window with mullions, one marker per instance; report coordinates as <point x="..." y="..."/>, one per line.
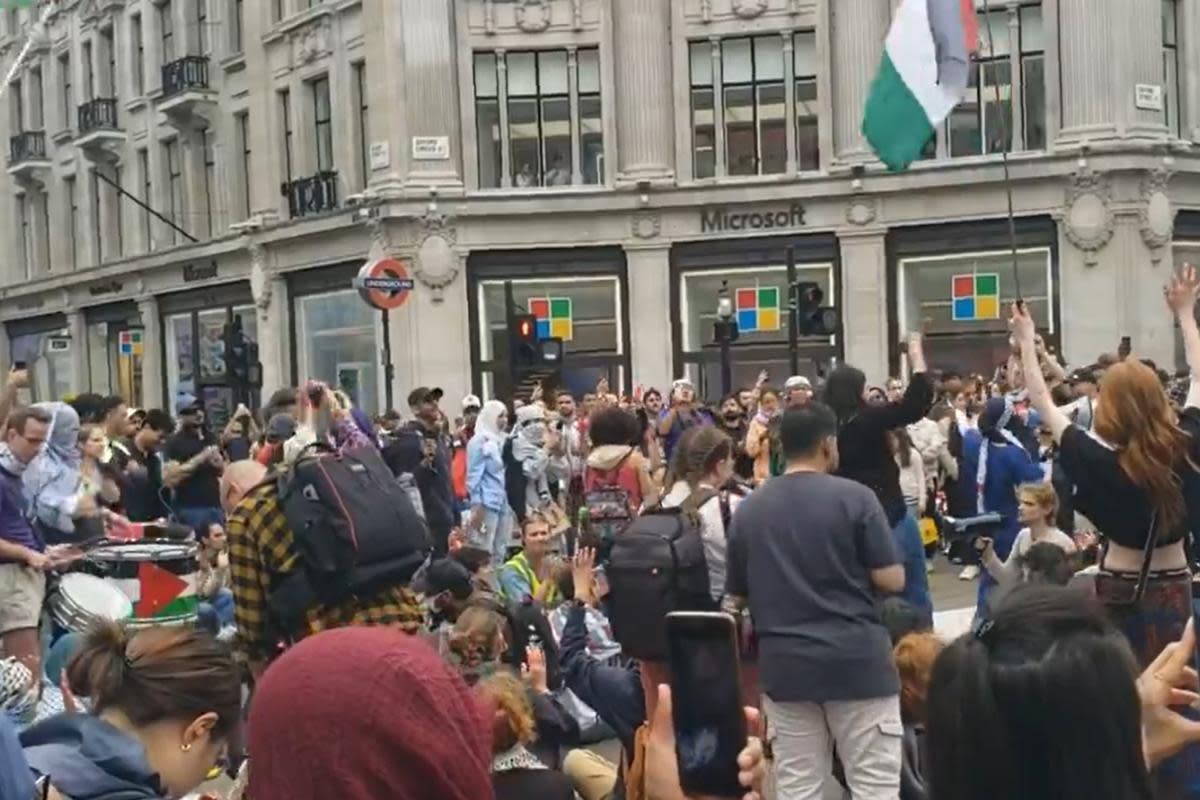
<point x="742" y="105"/>
<point x="1171" y="87"/>
<point x="962" y="301"/>
<point x="538" y="119"/>
<point x="323" y="121"/>
<point x="986" y="122"/>
<point x="584" y="310"/>
<point x="759" y="295"/>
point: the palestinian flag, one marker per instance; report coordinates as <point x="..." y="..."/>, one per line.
<point x="924" y="74"/>
<point x="158" y="593"/>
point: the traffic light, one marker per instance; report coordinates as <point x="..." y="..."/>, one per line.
<point x="523" y="343"/>
<point x="813" y="318"/>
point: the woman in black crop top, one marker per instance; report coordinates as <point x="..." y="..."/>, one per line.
<point x="1135" y="479"/>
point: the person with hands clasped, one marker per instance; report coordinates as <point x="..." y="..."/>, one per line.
<point x="193" y="468"/>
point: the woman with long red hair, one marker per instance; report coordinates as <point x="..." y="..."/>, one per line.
<point x="1136" y="479"/>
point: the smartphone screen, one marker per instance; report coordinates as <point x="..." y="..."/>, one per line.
<point x="710" y="726"/>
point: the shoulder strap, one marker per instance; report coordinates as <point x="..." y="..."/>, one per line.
<point x="726" y="511"/>
<point x="1139" y="590"/>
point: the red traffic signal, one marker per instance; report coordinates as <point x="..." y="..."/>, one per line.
<point x="524" y="328"/>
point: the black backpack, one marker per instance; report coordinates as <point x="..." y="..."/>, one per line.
<point x="656" y="566"/>
<point x="354" y="526"/>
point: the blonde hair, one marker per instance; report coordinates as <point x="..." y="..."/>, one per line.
<point x="512" y="713"/>
<point x="477" y="639"/>
<point x="1043" y="494"/>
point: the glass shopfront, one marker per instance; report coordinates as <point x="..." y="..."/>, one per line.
<point x="115" y="341"/>
<point x="754" y="275"/>
<point x="1186" y="250"/>
<point x="335" y="337"/>
<point x="44" y="345"/>
<point x="193" y="328"/>
<point x="960" y="297"/>
<point x="577" y="295"/>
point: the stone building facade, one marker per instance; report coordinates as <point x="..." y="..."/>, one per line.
<point x="618" y="163"/>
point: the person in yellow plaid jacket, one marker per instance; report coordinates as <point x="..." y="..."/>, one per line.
<point x="262" y="552"/>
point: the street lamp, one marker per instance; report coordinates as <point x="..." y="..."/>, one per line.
<point x="725" y="331"/>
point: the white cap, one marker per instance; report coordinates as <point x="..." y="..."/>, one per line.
<point x="471" y="401"/>
<point x="797" y="382"/>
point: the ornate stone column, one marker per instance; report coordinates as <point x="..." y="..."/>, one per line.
<point x="152" y="355"/>
<point x="863" y="301"/>
<point x="270" y="315"/>
<point x="641" y="55"/>
<point x="1089" y="71"/>
<point x="431" y="84"/>
<point x="649" y="268"/>
<point x="858" y="29"/>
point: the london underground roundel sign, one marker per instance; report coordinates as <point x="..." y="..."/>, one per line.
<point x="384" y="284"/>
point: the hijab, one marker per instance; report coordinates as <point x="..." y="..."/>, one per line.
<point x="52" y="479"/>
<point x="487" y="424"/>
<point x="995" y="425"/>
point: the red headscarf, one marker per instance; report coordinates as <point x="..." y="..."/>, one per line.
<point x="366" y="713"/>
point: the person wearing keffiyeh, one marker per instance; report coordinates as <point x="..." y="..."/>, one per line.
<point x="1000" y="463"/>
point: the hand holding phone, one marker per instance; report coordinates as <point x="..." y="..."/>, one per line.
<point x="709" y="724"/>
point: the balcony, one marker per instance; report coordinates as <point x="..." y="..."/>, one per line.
<point x="27" y="160"/>
<point x="186" y="98"/>
<point x="313" y="195"/>
<point x="99" y="134"/>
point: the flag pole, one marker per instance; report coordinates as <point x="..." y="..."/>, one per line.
<point x="37" y="29"/>
<point x="1006" y="139"/>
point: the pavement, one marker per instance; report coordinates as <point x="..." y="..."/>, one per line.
<point x="953" y="604"/>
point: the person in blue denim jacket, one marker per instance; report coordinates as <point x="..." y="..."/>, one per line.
<point x="488" y="527"/>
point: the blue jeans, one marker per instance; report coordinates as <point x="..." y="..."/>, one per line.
<point x="495" y="535"/>
<point x="907" y="535"/>
<point x="198" y="519"/>
<point x="217" y="612"/>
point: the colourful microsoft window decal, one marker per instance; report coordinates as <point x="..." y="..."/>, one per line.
<point x="555" y="317"/>
<point x="130" y="343"/>
<point x="758" y="309"/>
<point x="975" y="297"/>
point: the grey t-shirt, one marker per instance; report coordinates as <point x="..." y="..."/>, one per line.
<point x="801" y="549"/>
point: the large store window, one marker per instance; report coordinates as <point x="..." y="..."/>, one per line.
<point x="760" y="299"/>
<point x="580" y="299"/>
<point x="1010" y="64"/>
<point x="336" y="344"/>
<point x="962" y="299"/>
<point x="45" y="347"/>
<point x="115" y="346"/>
<point x="745" y="92"/>
<point x="195" y="358"/>
<point x="1186" y="252"/>
<point x="538" y="118"/>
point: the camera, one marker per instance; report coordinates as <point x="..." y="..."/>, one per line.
<point x="966" y="531"/>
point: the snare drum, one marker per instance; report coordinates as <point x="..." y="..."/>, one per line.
<point x="159" y="578"/>
<point x="83" y="599"/>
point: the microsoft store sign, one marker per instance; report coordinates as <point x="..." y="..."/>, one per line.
<point x="718" y="219"/>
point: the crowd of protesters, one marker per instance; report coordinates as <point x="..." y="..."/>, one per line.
<point x="820" y="509"/>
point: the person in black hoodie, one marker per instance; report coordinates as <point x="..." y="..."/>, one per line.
<point x="164" y="700"/>
<point x="421" y="449"/>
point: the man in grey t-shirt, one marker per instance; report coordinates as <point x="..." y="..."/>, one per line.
<point x="807" y="552"/>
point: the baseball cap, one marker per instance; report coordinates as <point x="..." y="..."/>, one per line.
<point x="280" y="428"/>
<point x="471" y="401"/>
<point x="424" y="394"/>
<point x="444" y="575"/>
<point x="797" y="382"/>
<point x="187" y="404"/>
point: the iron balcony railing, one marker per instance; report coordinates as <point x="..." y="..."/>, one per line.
<point x="312" y="195"/>
<point x="182" y="74"/>
<point x="27" y="146"/>
<point x="100" y="113"/>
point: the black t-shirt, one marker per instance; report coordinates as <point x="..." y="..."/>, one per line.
<point x="140" y="478"/>
<point x="801" y="549"/>
<point x="201" y="489"/>
<point x="1116" y="506"/>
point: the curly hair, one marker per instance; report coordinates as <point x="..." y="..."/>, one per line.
<point x="512" y="713"/>
<point x="477" y="640"/>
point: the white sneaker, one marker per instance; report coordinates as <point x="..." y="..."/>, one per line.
<point x="928" y="567"/>
<point x="969" y="573"/>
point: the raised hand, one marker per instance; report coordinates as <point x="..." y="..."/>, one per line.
<point x="534" y="669"/>
<point x="583" y="573"/>
<point x="1182" y="290"/>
